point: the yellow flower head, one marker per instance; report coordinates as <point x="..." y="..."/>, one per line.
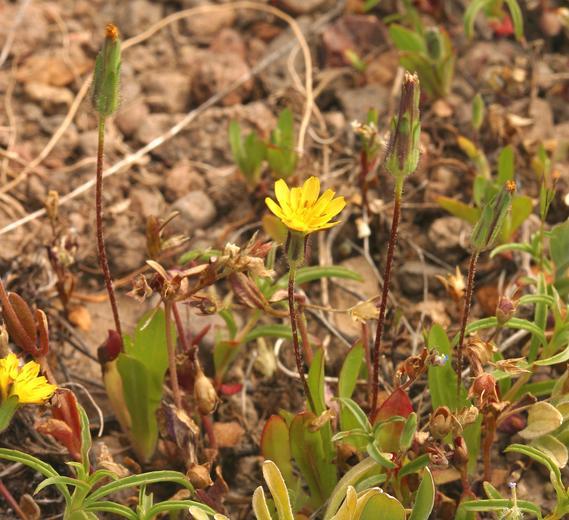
<point x="23" y="382"/>
<point x="300" y="209"/>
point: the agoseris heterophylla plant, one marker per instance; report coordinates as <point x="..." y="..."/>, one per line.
<point x="303" y="211"/>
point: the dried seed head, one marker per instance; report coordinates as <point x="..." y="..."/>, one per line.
<point x="204" y="393"/>
<point x="479" y="352"/>
<point x="441" y="422"/>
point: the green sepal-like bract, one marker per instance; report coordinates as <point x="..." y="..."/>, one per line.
<point x="106" y="78"/>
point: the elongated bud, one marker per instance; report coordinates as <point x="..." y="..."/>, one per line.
<point x="106" y="78"/>
<point x="404" y="146"/>
<point x="493" y="215"/>
<point x="204" y="393"/>
<point x="505" y="310"/>
<point x="434" y="43"/>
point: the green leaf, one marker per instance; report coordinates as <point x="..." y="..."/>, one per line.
<point x="491" y="491"/>
<point x="459" y="209"/>
<point x="406" y="40"/>
<point x="260" y="507"/>
<point x="316" y="272"/>
<point x="561" y="357"/>
<point x="500" y="505"/>
<point x="474" y="7"/>
<point x="275" y="446"/>
<point x="275" y="330"/>
<point x="105" y="506"/>
<point x="425" y="497"/>
<point x="36" y="464"/>
<point x="553" y="448"/>
<point x="350" y="371"/>
<point x="517" y="18"/>
<point x="408" y="432"/>
<point x="375" y="453"/>
<point x="559" y="248"/>
<point x="506" y="165"/>
<point x="279" y="492"/>
<point x="316" y="381"/>
<point x="281" y="155"/>
<point x="389" y="506"/>
<point x="312" y="458"/>
<point x="416" y="465"/>
<point x="358" y="414"/>
<point x="543" y="418"/>
<point x="442" y="379"/>
<point x="143" y="479"/>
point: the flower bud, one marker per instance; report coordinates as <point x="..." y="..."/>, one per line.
<point x="204" y="393"/>
<point x="404" y="147"/>
<point x="199" y="476"/>
<point x="492" y="217"/>
<point x="441" y="422"/>
<point x="505" y="310"/>
<point x="106" y="78"/>
<point x="460" y="455"/>
<point x="484" y="388"/>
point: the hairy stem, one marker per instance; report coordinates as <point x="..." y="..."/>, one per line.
<point x="465" y="314"/>
<point x="295" y="343"/>
<point x="172" y="356"/>
<point x="384" y="295"/>
<point x="101" y="252"/>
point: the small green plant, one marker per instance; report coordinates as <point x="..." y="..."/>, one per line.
<point x="485" y="186"/>
<point x="429" y="53"/>
<point x="278" y="151"/>
<point x="248" y="153"/>
<point x="85" y="494"/>
<point x="494" y="10"/>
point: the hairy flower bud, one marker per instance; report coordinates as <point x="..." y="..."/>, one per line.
<point x="404" y="146"/>
<point x="106" y="78"/>
<point x="492" y="218"/>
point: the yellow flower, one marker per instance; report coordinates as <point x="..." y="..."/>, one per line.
<point x="300" y="209"/>
<point x="23" y="382"/>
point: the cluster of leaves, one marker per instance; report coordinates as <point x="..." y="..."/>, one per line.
<point x="250" y="152"/>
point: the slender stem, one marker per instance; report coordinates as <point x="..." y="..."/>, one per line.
<point x="12" y="501"/>
<point x="385" y="292"/>
<point x="490" y="432"/>
<point x="465" y="313"/>
<point x="172" y="356"/>
<point x="293" y="325"/>
<point x="102" y="253"/>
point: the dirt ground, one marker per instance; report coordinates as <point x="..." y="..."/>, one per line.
<point x="201" y="72"/>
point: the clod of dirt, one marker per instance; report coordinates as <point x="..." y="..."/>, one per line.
<point x="137" y="16"/>
<point x="214" y="72"/>
<point x="196" y="210"/>
<point x="167" y="91"/>
<point x="298" y="7"/>
<point x="130" y="118"/>
<point x="180" y="179"/>
<point x="447" y="237"/>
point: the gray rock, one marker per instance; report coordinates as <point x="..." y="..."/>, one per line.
<point x="167" y="91"/>
<point x="131" y="117"/>
<point x="180" y="179"/>
<point x="447" y="238"/>
<point x="146" y="201"/>
<point x="89" y="142"/>
<point x="138" y="15"/>
<point x="411" y="276"/>
<point x="357" y="102"/>
<point x="196" y="210"/>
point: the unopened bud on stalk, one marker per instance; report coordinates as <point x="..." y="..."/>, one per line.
<point x="505" y="310"/>
<point x="204" y="393"/>
<point x="404" y="146"/>
<point x="492" y="218"/>
<point x="106" y="78"/>
<point x="460" y="456"/>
